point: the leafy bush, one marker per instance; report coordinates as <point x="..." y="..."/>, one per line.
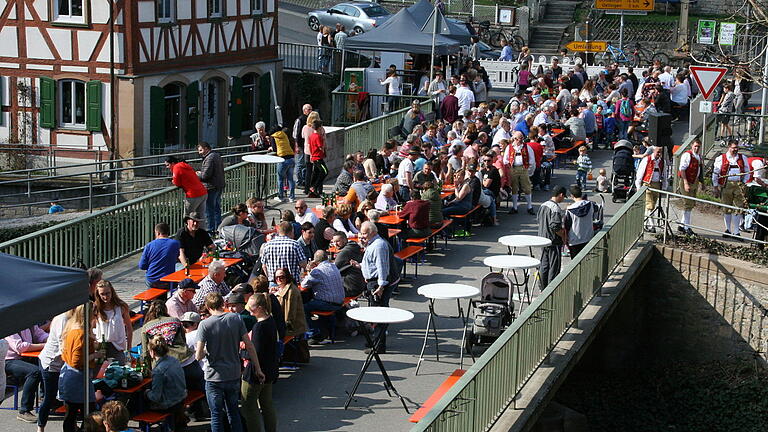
<point x="12" y="233"/>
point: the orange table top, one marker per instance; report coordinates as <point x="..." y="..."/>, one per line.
<point x="196" y="271"/>
<point x="377" y="186"/>
<point x="30" y="354"/>
<point x="446" y="194"/>
<point x="394" y="231"/>
<point x="150" y="294"/>
<point x="144" y="382"/>
<point x="391" y="219"/>
<point x="557" y="131"/>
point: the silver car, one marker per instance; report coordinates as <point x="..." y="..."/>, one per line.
<point x="356" y="17"/>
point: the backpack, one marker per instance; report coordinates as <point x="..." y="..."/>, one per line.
<point x="625" y="108"/>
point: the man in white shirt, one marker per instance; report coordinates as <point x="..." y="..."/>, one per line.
<point x="729" y="175"/>
<point x="690" y="171"/>
<point x="302" y="213"/>
<point x="520" y="162"/>
<point x="651" y="172"/>
<point x="503" y="132"/>
<point x="666" y="78"/>
<point x="405" y="173"/>
<point x="466" y="97"/>
<point x="545" y="116"/>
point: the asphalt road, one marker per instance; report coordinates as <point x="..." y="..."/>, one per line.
<point x="293" y="26"/>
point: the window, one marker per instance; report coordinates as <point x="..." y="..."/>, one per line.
<point x="166" y="11"/>
<point x="172" y="115"/>
<point x="257" y="7"/>
<point x="69" y="11"/>
<point x="250" y="101"/>
<point x="72" y="104"/>
<point x="215" y="8"/>
<point x="353" y="11"/>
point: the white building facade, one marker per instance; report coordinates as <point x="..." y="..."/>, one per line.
<point x="180" y="71"/>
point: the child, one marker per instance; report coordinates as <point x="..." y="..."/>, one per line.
<point x="602" y="182"/>
<point x="115" y="416"/>
<point x="584" y="165"/>
<point x="600" y="135"/>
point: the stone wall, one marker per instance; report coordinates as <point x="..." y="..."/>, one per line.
<point x="715" y="7"/>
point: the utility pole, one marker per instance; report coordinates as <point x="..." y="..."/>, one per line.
<point x="682" y="29"/>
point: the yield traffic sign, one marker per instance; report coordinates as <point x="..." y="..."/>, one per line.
<point x="707" y="78"/>
<point x="592" y="46"/>
<point x="641" y="5"/>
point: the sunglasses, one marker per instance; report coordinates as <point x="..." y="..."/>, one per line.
<point x="279" y="276"/>
<point x="299" y="208"/>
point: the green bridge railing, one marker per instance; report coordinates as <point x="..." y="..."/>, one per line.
<point x="476" y="401"/>
<point x="374" y="132"/>
<point x="109" y="235"/>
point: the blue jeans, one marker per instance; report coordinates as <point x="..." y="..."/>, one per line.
<point x="285" y="173"/>
<point x="317" y="305"/>
<point x="222" y="400"/>
<point x="581" y="178"/>
<point x="623" y="126"/>
<point x="51" y="388"/>
<point x="457" y="208"/>
<point x="492" y="207"/>
<point x="213" y="209"/>
<point x="405" y="193"/>
<point x="301" y="169"/>
<point x="30" y="374"/>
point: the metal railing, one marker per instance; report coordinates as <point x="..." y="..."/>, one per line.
<point x="476" y="401"/>
<point x="346" y="109"/>
<point x="117" y="232"/>
<point x="110" y="180"/>
<point x="373" y="133"/>
<point x="309" y="58"/>
<point x="46" y="154"/>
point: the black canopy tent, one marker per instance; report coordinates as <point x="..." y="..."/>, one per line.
<point x="402" y="33"/>
<point x="33" y="292"/>
<point x="423" y="13"/>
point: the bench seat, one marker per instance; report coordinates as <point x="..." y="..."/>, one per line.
<point x="436" y="395"/>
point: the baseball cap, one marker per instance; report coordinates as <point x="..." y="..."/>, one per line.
<point x="236" y="298"/>
<point x="188" y="283"/>
<point x="195" y="216"/>
<point x="192" y="317"/>
<point x="243" y="288"/>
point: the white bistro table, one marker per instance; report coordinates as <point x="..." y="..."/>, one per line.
<point x="512" y="242"/>
<point x="383" y="316"/>
<point x="262" y="159"/>
<point x="513" y="263"/>
<point x="446" y="291"/>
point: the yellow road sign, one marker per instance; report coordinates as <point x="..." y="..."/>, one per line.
<point x="636" y="5"/>
<point x="592" y="46"/>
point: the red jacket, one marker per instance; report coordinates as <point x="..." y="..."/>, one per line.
<point x="316" y="147"/>
<point x="184" y="176"/>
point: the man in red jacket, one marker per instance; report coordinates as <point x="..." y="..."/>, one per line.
<point x="185" y="177"/>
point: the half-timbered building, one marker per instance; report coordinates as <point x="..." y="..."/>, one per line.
<point x="179" y="71"/>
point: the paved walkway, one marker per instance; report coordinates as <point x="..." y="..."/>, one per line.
<point x="312" y="398"/>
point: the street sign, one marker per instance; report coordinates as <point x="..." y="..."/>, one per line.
<point x="591" y="46"/>
<point x="707" y="78"/>
<point x="641" y="5"/>
<point x="705" y="107"/>
<point x="625" y="12"/>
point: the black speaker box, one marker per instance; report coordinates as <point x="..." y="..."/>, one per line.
<point x="660" y="129"/>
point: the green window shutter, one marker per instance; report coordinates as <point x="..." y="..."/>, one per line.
<point x="47" y="102"/>
<point x="156" y="119"/>
<point x="265" y="99"/>
<point x="236" y="107"/>
<point x="192" y="98"/>
<point x="93" y="102"/>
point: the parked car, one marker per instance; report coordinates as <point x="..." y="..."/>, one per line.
<point x="487" y="52"/>
<point x="356" y="17"/>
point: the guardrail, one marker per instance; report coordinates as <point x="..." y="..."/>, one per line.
<point x="305" y="57"/>
<point x="117" y="232"/>
<point x="476" y="401"/>
<point x="348" y="110"/>
<point x="111" y="179"/>
<point x="374" y="132"/>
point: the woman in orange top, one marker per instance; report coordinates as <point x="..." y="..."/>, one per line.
<point x="71" y="377"/>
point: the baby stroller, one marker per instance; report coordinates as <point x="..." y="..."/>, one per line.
<point x="494" y="311"/>
<point x="247" y="242"/>
<point x="623" y="172"/>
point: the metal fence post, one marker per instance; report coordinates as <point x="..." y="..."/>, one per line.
<point x="90" y="192"/>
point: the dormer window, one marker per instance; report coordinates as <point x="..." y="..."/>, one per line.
<point x="69" y="11"/>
